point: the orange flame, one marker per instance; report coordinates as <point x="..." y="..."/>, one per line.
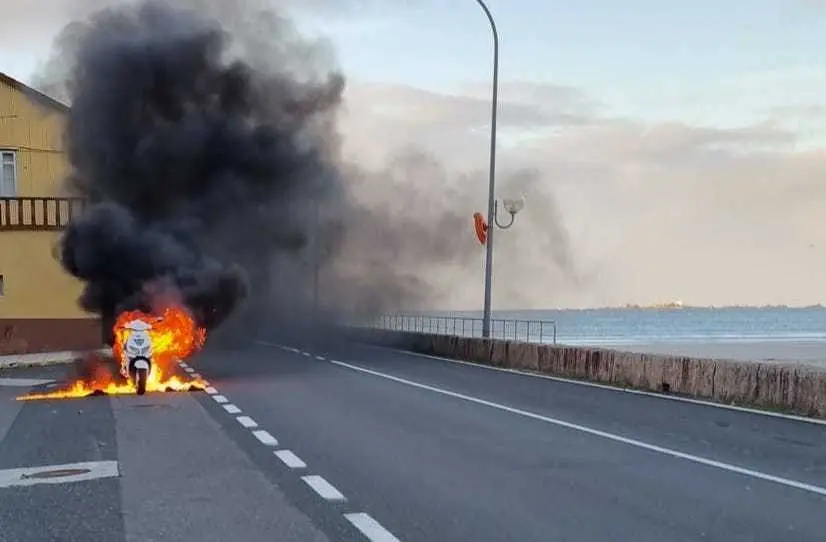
<point x="175" y="336"/>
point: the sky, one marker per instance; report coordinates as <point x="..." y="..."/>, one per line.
<point x="708" y="62"/>
<point x="677" y="149"/>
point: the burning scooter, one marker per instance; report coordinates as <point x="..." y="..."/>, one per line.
<point x="136" y="364"/>
<point x="147" y="347"/>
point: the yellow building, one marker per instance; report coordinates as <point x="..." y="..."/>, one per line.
<point x="38" y="300"/>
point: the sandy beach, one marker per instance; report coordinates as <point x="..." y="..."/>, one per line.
<point x="809" y="353"/>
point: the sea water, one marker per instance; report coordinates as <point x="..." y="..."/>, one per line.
<point x="771" y="333"/>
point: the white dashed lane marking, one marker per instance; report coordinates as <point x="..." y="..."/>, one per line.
<point x="325" y="489"/>
<point x="363" y="522"/>
<point x="265" y="438"/>
<point x="189" y="370"/>
<point x="247" y="422"/>
<point x="290" y="459"/>
<point x="370" y="528"/>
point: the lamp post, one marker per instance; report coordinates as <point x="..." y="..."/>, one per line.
<point x="492" y="174"/>
<point x="512" y="206"/>
<point x="316" y="257"/>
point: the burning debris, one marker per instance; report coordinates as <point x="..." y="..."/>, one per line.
<point x="147" y="348"/>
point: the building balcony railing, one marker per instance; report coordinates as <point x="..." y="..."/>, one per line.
<point x="38" y="214"/>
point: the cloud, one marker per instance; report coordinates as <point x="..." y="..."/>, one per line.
<point x="640" y="212"/>
<point x="620" y="209"/>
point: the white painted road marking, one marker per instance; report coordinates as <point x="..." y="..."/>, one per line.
<point x="607" y="387"/>
<point x="232" y="409"/>
<point x="195" y="375"/>
<point x="281" y="346"/>
<point x="23" y="476"/>
<point x="220" y="399"/>
<point x="23" y="382"/>
<point x="265" y="438"/>
<point x="189" y="369"/>
<point x="595" y="432"/>
<point x="210" y="390"/>
<point x="305" y="354"/>
<point x="184" y="365"/>
<point x="290" y="459"/>
<point x="320" y="358"/>
<point x="247" y="422"/>
<point x="324" y="488"/>
<point x="370" y="528"/>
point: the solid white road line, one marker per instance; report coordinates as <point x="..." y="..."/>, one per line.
<point x="370" y="528"/>
<point x="220" y="399"/>
<point x="290" y="459"/>
<point x="265" y="438"/>
<point x="617" y="389"/>
<point x="210" y="390"/>
<point x="247" y="422"/>
<point x="25" y="476"/>
<point x="595" y="432"/>
<point x="324" y="488"/>
<point x="232" y="409"/>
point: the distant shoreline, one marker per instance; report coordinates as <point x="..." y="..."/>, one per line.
<point x="662" y="307"/>
<point x="678" y="306"/>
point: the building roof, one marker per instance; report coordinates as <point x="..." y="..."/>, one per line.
<point x="35" y="95"/>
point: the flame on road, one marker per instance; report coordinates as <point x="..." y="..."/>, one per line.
<point x="175" y="336"/>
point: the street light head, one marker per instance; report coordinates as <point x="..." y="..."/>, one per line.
<point x="513" y="206"/>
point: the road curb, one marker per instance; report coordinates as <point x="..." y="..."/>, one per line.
<point x="45" y="359"/>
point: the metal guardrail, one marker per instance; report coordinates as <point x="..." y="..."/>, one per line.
<point x="541" y="331"/>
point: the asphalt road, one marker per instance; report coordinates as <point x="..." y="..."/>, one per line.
<point x="327" y="443"/>
<point x="181" y="476"/>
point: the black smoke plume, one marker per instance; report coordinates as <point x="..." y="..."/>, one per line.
<point x="195" y="165"/>
<point x="205" y="137"/>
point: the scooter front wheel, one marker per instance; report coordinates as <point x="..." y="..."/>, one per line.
<point x="141" y="376"/>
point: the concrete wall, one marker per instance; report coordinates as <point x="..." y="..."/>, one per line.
<point x="790" y="388"/>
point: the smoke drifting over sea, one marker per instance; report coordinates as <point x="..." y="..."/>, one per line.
<point x="211" y="155"/>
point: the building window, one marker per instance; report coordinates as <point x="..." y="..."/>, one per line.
<point x="8" y="174"/>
